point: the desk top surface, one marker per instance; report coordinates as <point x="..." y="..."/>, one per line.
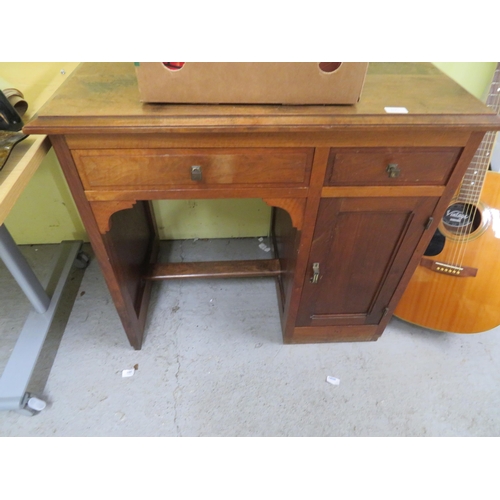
<point x="104" y="98"/>
<point x="27" y="155"/>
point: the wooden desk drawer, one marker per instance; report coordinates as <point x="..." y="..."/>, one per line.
<point x="169" y="168"/>
<point x="390" y="166"/>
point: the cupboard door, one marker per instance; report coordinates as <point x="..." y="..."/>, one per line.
<point x="360" y="250"/>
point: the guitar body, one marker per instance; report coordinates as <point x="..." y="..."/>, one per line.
<point x="460" y="304"/>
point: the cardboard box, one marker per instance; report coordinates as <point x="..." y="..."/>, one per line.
<point x="251" y="83"/>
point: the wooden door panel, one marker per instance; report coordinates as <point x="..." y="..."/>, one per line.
<point x="362" y="246"/>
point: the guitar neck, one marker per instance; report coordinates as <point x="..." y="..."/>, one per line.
<point x="473" y="181"/>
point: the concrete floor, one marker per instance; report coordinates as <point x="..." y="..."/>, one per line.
<point x="213" y="364"/>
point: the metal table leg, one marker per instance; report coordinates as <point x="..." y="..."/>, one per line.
<point x="45" y="299"/>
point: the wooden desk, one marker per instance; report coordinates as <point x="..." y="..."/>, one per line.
<point x="357" y="191"/>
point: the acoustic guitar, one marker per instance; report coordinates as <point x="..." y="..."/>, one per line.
<point x="456" y="287"/>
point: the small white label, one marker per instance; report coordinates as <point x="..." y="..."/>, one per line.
<point x="395" y="109"/>
<point x="332" y="380"/>
<point x="128" y="373"/>
<point x="264" y="247"/>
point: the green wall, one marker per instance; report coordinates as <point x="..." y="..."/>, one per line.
<point x="474" y="76"/>
<point x="45" y="212"/>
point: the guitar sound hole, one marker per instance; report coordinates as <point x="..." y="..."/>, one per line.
<point x="436" y="245"/>
<point x="462" y="218"/>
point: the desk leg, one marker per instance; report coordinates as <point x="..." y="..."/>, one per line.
<point x="124" y="250"/>
<point x="131" y="247"/>
<point x="21" y="271"/>
<point x="45" y="299"/>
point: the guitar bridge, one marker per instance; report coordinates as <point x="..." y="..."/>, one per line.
<point x="449" y="269"/>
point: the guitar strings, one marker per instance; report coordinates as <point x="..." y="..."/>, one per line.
<point x="486" y="148"/>
<point x="468" y="195"/>
<point x="464" y="197"/>
<point x="472" y="195"/>
<point x="474" y="182"/>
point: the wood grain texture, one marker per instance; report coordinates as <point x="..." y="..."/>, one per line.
<point x="158" y="168"/>
<point x="215" y="269"/>
<point x="294" y="206"/>
<point x="103" y="97"/>
<point x="362" y="247"/>
<point x="19" y="169"/>
<point x="132" y="245"/>
<point x="461" y="304"/>
<point x="367" y="231"/>
<point x="380" y="191"/>
<point x="346" y="333"/>
<point x="286" y="240"/>
<point x="127" y="288"/>
<point x="453" y="183"/>
<point x="368" y="166"/>
<point x="293" y="292"/>
<point x="103" y="210"/>
<point x="193" y="193"/>
<point x="380" y="136"/>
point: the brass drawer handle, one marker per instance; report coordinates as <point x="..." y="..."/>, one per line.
<point x="393" y="170"/>
<point x="315" y="277"/>
<point x="196" y="173"/>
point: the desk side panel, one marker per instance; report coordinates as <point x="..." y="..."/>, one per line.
<point x="131" y="242"/>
